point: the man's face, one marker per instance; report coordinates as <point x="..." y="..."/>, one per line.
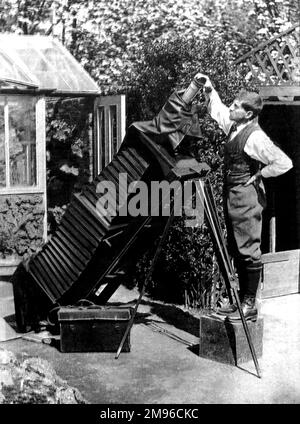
<point x="238" y="114"/>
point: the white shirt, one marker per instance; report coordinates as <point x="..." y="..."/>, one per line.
<point x="258" y="146"/>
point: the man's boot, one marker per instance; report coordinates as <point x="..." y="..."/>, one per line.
<point x="250" y="284"/>
<point x="231" y="308"/>
<point x="228" y="309"/>
<point x="248" y="308"/>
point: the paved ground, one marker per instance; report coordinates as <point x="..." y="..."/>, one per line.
<point x="161" y="369"/>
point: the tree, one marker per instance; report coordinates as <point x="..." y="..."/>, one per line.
<point x="107" y="37"/>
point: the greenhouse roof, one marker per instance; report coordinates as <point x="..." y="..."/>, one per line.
<point x="44" y="64"/>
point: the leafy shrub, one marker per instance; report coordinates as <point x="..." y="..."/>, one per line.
<point x="21" y="223"/>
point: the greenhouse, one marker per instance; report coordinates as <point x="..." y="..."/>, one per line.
<point x="35" y="71"/>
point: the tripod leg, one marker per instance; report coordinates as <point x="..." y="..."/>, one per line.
<point x="149" y="275"/>
<point x="128" y="328"/>
<point x="215" y="227"/>
<point x="246" y="329"/>
<point x="210" y="196"/>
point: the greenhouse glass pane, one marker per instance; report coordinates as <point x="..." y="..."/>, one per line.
<point x="11" y="71"/>
<point x="22" y="141"/>
<point x="47" y="76"/>
<point x="67" y="72"/>
<point x="2" y="146"/>
<point x="47" y="62"/>
<point x="72" y="71"/>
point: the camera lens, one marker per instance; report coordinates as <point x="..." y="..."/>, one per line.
<point x="202" y="80"/>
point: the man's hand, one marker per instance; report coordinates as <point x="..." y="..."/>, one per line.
<point x="204" y="79"/>
<point x="253" y="178"/>
<point x="201" y="77"/>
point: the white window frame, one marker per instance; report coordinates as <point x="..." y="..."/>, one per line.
<point x="103" y="146"/>
<point x="40" y="185"/>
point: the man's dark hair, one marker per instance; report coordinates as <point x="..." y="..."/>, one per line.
<point x="250" y="101"/>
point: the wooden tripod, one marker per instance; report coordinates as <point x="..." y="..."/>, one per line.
<point x="206" y="194"/>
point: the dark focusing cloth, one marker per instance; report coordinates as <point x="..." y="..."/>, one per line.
<point x="174" y="121"/>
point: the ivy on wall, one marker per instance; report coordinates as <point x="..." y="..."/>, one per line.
<point x="21" y="224"/>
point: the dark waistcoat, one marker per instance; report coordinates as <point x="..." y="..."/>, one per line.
<point x="238" y="165"/>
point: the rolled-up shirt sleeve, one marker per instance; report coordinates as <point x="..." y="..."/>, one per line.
<point x="218" y="111"/>
<point x="260" y="147"/>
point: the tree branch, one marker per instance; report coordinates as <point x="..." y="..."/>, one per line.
<point x="36" y="17"/>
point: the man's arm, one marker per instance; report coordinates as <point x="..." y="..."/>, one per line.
<point x="218" y="111"/>
<point x="261" y="148"/>
<point x="216" y="108"/>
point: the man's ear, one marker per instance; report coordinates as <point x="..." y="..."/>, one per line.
<point x="249" y="114"/>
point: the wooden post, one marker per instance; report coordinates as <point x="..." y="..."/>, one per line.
<point x="272" y="224"/>
<point x="272" y="241"/>
<point x="41" y="157"/>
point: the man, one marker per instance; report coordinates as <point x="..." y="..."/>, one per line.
<point x="249" y="155"/>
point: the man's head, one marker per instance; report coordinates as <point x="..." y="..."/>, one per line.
<point x="246" y="106"/>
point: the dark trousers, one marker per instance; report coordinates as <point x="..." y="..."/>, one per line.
<point x="243" y="214"/>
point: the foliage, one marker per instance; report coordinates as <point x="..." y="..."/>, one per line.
<point x="108" y="37"/>
<point x="243" y="24"/>
<point x="21" y="223"/>
<point x="68" y="149"/>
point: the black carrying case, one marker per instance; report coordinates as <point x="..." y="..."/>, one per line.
<point x="93" y="329"/>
